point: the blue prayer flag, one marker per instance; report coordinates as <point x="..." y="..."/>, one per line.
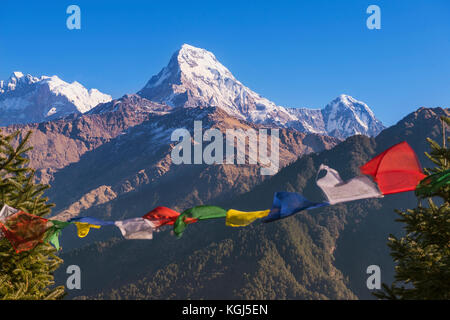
<point x="286" y="204"/>
<point x="92" y="220"/>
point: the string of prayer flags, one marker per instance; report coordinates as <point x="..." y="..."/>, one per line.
<point x="428" y="186"/>
<point x="199" y="213"/>
<point x="395" y="170"/>
<point x="161" y="216"/>
<point x="24" y="231"/>
<point x="337" y="191"/>
<point x="286" y="204"/>
<point x="136" y="228"/>
<point x="237" y="218"/>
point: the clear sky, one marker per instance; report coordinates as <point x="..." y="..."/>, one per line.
<point x="295" y="53"/>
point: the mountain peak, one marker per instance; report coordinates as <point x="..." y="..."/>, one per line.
<point x="346" y="116"/>
<point x="189" y="52"/>
<point x="196" y="62"/>
<point x="347" y="101"/>
<point x="190" y="49"/>
<point x="16" y="75"/>
<point x="16" y="78"/>
<point x="195" y="78"/>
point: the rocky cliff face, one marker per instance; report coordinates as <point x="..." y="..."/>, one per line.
<point x="59" y="143"/>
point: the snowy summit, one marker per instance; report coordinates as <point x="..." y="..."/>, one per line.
<point x="194" y="78"/>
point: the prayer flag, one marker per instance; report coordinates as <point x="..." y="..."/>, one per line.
<point x="91" y="220"/>
<point x="337" y="191"/>
<point x="286" y="204"/>
<point x="52" y="234"/>
<point x="83" y="228"/>
<point x="198" y="212"/>
<point x="395" y="170"/>
<point x="24" y="231"/>
<point x="237" y="218"/>
<point x="4" y="214"/>
<point x="136" y="228"/>
<point x="431" y="184"/>
<point x="161" y="216"/>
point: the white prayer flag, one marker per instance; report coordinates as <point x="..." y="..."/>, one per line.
<point x="337" y="191"/>
<point x="137" y="228"/>
<point x="5" y="213"/>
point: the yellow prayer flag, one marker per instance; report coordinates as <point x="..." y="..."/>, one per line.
<point x="83" y="228"/>
<point x="237" y="218"/>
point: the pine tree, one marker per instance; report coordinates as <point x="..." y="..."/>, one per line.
<point x="422" y="256"/>
<point x="29" y="274"/>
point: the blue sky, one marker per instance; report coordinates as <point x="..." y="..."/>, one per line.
<point x="296" y="53"/>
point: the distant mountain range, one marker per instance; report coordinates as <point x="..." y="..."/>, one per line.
<point x="28" y="99"/>
<point x="193" y="78"/>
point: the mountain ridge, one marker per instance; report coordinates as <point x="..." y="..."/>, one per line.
<point x="193" y="78"/>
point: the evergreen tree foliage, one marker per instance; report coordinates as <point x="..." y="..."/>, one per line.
<point x="422" y="256"/>
<point x="29" y="274"/>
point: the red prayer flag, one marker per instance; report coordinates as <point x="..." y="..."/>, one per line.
<point x="24" y="231"/>
<point x="161" y="216"/>
<point x="395" y="170"/>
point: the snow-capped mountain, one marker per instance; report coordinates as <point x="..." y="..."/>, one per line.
<point x="26" y="99"/>
<point x="346" y="116"/>
<point x="194" y="77"/>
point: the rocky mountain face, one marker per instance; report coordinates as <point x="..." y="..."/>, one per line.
<point x="317" y="254"/>
<point x="194" y="77"/>
<point x="28" y="99"/>
<point x="139" y="161"/>
<point x="59" y="143"/>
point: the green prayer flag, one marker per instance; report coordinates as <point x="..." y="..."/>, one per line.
<point x="52" y="234"/>
<point x="198" y="212"/>
<point x="431" y="184"/>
